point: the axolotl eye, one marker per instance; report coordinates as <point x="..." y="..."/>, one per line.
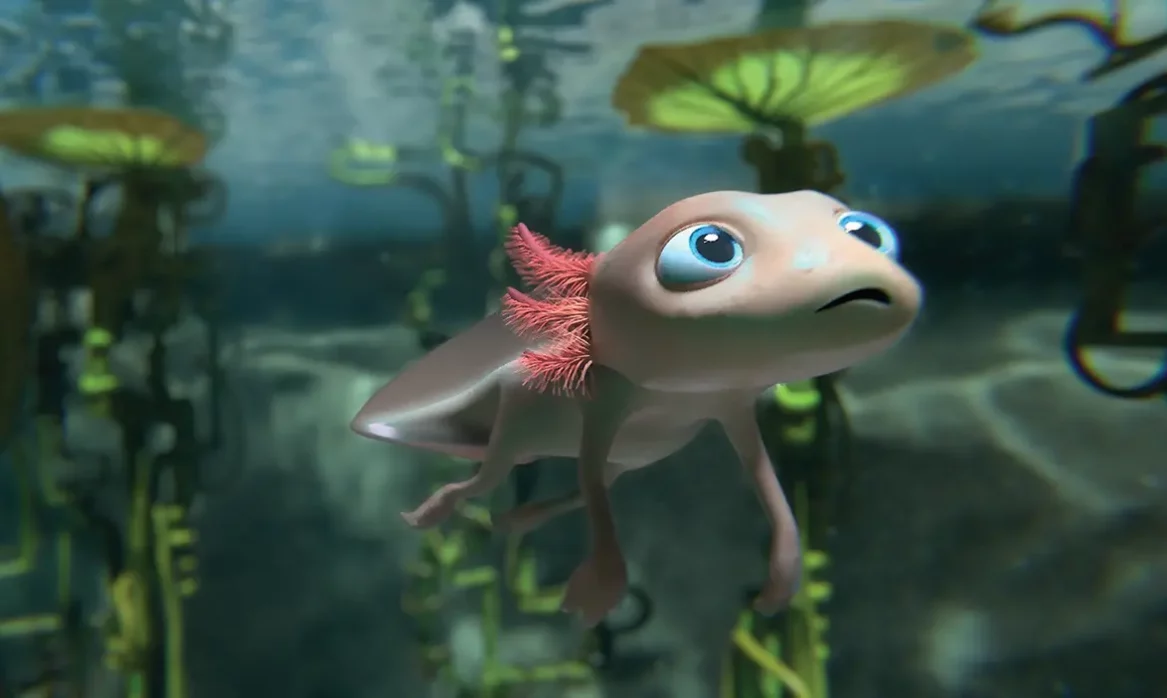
<point x="697" y="256"/>
<point x="872" y="230"/>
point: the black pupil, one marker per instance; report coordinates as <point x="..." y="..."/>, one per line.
<point x="866" y="232"/>
<point x="715" y="245"/>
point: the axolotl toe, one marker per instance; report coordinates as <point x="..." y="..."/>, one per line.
<point x="619" y="359"/>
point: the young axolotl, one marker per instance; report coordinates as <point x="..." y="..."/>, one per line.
<point x="619" y="359"/>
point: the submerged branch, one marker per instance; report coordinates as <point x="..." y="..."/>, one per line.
<point x="1002" y="21"/>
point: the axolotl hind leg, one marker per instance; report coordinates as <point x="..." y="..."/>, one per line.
<point x="507" y="440"/>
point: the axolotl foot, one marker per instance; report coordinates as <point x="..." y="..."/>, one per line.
<point x="782" y="583"/>
<point x="596" y="587"/>
<point x="435" y="510"/>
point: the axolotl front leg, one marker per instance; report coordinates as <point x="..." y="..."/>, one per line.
<point x="785" y="558"/>
<point x="601" y="580"/>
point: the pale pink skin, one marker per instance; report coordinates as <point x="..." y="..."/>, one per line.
<point x="667" y="362"/>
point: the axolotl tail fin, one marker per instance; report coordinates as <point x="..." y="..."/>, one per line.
<point x="446" y="400"/>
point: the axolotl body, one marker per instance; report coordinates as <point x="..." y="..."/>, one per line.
<point x="619" y="359"/>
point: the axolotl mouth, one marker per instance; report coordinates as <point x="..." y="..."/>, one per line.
<point x="874" y="295"/>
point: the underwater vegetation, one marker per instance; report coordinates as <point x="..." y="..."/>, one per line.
<point x="102" y="322"/>
<point x="959" y="538"/>
<point x="527" y="99"/>
<point x="1108" y="231"/>
<point x="77" y="52"/>
<point x="772" y="86"/>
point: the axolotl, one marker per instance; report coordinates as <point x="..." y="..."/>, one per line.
<point x="620" y="359"/>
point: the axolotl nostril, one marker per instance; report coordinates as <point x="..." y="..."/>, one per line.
<point x="619" y="359"/>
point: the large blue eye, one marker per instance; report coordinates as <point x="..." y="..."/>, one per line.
<point x="873" y="230"/>
<point x="698" y="255"/>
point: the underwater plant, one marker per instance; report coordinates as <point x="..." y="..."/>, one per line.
<point x="1105" y="227"/>
<point x="40" y="211"/>
<point x="168" y="57"/>
<point x="525" y="47"/>
<point x="93" y="431"/>
<point x="528" y="98"/>
<point x="15" y="323"/>
<point x="88" y="296"/>
<point x="773" y="85"/>
<point x="364" y="164"/>
<point x="39" y="63"/>
<point x="136" y="148"/>
<point x="998" y="19"/>
<point x="122" y="145"/>
<point x="101" y="138"/>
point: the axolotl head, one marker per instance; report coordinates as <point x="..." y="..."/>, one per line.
<point x="740" y="290"/>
